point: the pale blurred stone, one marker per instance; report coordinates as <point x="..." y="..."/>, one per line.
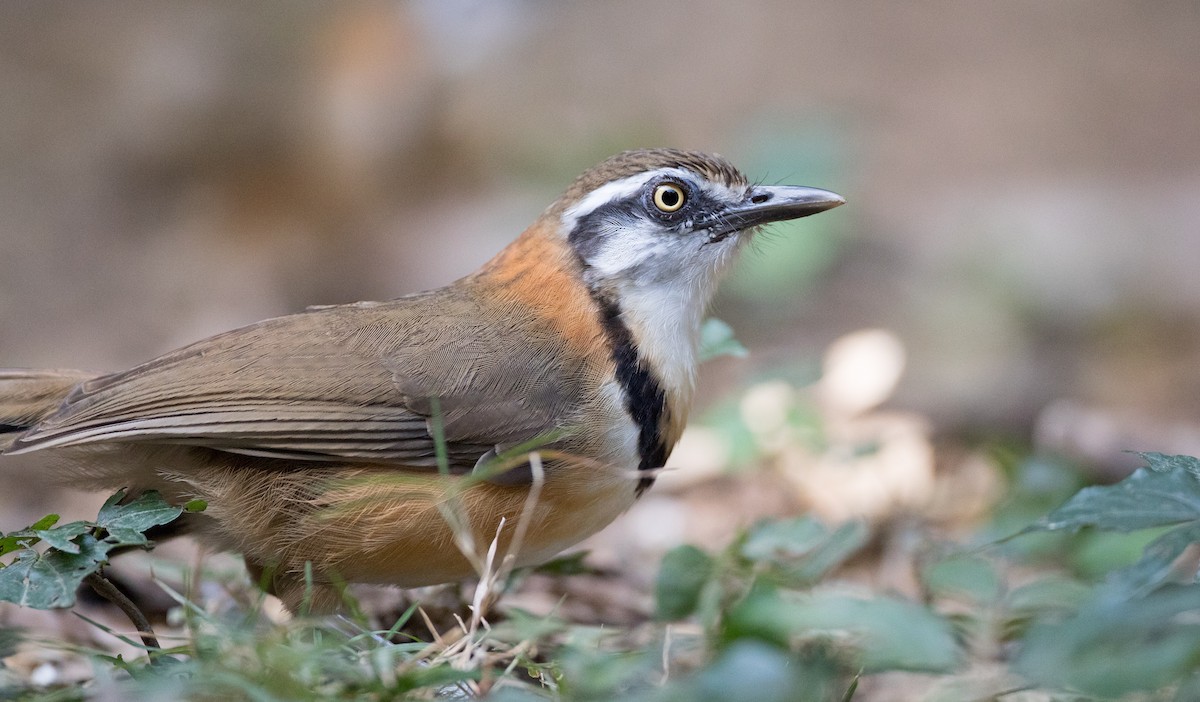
<point x="765" y="408"/>
<point x="46" y="667"/>
<point x="966" y="491"/>
<point x="873" y="468"/>
<point x="861" y="370"/>
<point x="661" y="523"/>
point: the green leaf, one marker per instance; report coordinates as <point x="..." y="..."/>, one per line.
<point x="717" y="339"/>
<point x="1054" y="594"/>
<point x="1038" y="484"/>
<point x="26" y="538"/>
<point x="1093" y="554"/>
<point x="49" y="580"/>
<point x="64" y="537"/>
<point x="771" y="675"/>
<point x="888" y="634"/>
<point x="523" y="626"/>
<point x="17" y="540"/>
<point x="1049" y="599"/>
<point x="9" y="639"/>
<point x="590" y="672"/>
<point x="126" y="522"/>
<point x="681" y="578"/>
<point x="195" y="506"/>
<point x="567" y="564"/>
<point x="967" y="577"/>
<point x="1165" y="492"/>
<point x="45" y="522"/>
<point x="1113" y="647"/>
<point x="1156" y="565"/>
<point x="800" y="551"/>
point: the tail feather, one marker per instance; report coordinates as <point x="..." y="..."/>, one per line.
<point x="29" y="396"/>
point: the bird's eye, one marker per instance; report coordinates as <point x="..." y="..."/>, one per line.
<point x="669" y="197"/>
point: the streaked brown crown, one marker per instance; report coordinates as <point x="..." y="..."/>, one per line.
<point x="628" y="163"/>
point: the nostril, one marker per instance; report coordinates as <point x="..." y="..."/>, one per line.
<point x="760" y="198"/>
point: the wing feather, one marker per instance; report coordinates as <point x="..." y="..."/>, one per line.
<point x="356" y="382"/>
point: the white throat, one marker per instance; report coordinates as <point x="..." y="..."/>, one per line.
<point x="664" y="319"/>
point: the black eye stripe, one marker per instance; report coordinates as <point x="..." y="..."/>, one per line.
<point x="594" y="230"/>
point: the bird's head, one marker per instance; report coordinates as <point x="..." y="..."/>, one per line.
<point x="670" y="220"/>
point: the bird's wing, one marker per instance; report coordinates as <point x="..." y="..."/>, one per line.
<point x="364" y="382"/>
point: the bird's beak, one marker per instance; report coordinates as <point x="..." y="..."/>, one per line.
<point x="764" y="204"/>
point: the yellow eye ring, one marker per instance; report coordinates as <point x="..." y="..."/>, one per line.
<point x="669" y="197"/>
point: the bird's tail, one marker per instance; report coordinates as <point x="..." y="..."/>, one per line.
<point x="29" y="396"/>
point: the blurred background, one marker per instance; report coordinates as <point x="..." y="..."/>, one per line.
<point x="1017" y="262"/>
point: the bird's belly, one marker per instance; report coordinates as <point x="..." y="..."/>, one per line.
<point x="409" y="529"/>
<point x="429" y="549"/>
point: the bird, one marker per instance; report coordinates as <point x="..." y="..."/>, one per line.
<point x="368" y="442"/>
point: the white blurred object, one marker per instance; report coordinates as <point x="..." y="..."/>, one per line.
<point x="42" y="666"/>
<point x="701" y="454"/>
<point x="861" y="371"/>
<point x="873" y="468"/>
<point x="765" y="408"/>
<point x="661" y="523"/>
<point x="868" y="464"/>
<point x="44" y="675"/>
